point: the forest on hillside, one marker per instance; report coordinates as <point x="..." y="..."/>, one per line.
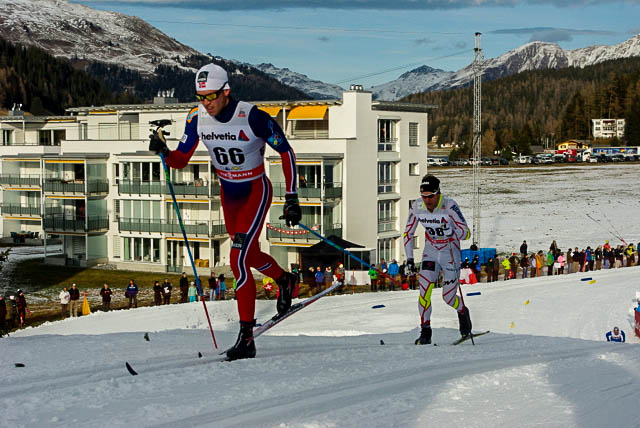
<point x="535" y="107"/>
<point x="46" y="85"/>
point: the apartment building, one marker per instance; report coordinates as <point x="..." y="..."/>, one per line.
<point x="89" y="179"/>
<point x="608" y="128"/>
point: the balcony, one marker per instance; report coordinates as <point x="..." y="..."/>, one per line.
<point x="387" y="224"/>
<point x="19" y="180"/>
<point x="386" y="186"/>
<point x="191" y="227"/>
<point x="56" y="185"/>
<point x="311" y="191"/>
<point x="62" y="223"/>
<point x="280" y="231"/>
<point x="21" y="209"/>
<point x="161" y="188"/>
<point x="218" y="229"/>
<point x="387" y="144"/>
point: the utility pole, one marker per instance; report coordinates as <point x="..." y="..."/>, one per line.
<point x="477" y="136"/>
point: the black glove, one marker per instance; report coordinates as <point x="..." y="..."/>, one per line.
<point x="157" y="142"/>
<point x="292" y="214"/>
<point x="411" y="265"/>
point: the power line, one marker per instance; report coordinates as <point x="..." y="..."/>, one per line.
<point x="332" y="29"/>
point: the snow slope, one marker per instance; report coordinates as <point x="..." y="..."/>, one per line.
<point x="544" y="364"/>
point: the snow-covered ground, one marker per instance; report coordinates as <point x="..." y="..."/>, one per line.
<point x="545" y="362"/>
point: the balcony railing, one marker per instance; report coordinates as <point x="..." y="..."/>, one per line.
<point x="161" y="188"/>
<point x="281" y="231"/>
<point x="61" y="223"/>
<point x="21" y="209"/>
<point x="192" y="227"/>
<point x="311" y="191"/>
<point x="386" y="186"/>
<point x="387" y="144"/>
<point x="19" y="180"/>
<point x="56" y="185"/>
<point x="218" y="228"/>
<point x="387" y="224"/>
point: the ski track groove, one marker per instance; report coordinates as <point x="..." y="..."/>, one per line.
<point x="341" y="395"/>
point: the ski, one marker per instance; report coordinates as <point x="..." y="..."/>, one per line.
<point x="464" y="339"/>
<point x="276" y="319"/>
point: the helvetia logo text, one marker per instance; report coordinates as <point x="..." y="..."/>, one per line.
<point x="213" y="136"/>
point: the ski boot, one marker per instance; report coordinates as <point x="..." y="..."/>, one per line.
<point x="245" y="346"/>
<point x="286" y="284"/>
<point x="425" y="336"/>
<point x="465" y="322"/>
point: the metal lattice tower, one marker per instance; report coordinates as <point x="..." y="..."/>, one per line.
<point x="477" y="136"/>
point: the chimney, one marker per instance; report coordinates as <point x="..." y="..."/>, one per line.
<point x="16" y="110"/>
<point x="356" y="88"/>
<point x="165" y="97"/>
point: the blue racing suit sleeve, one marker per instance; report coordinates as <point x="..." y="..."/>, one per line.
<point x="179" y="158"/>
<point x="265" y="127"/>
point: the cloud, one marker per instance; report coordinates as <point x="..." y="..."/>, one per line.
<point x="550" y="34"/>
<point x="346" y="4"/>
<point x="324" y="39"/>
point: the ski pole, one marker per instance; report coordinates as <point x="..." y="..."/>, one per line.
<point x="347" y="252"/>
<point x="186" y="242"/>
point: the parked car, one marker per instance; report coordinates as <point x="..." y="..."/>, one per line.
<point x="486" y="161"/>
<point x="499" y="161"/>
<point x="437" y="162"/>
<point x="523" y="160"/>
<point x="545" y="158"/>
<point x="616" y="157"/>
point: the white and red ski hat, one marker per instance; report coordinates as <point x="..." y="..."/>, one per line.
<point x="212" y="77"/>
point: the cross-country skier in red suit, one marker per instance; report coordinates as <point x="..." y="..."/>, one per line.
<point x="235" y="134"/>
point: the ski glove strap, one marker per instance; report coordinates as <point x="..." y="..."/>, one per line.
<point x="158" y="142"/>
<point x="292" y="214"/>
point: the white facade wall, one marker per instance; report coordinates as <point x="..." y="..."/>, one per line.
<point x="122" y="132"/>
<point x="608" y="128"/>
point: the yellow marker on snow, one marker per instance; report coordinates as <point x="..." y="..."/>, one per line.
<point x="593" y="281"/>
<point x="527" y="302"/>
<point x="512" y="325"/>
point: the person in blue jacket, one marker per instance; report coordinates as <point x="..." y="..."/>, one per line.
<point x="616" y="335"/>
<point x="394" y="270"/>
<point x="132" y="293"/>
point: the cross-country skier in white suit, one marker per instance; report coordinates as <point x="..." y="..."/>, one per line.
<point x="445" y="227"/>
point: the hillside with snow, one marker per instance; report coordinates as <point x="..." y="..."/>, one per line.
<point x="346" y="362"/>
<point x="77" y="32"/>
<point x="314" y="88"/>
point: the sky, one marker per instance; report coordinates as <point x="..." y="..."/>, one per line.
<point x="338" y="41"/>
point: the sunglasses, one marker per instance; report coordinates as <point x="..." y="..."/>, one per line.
<point x="430" y="196"/>
<point x="212" y="96"/>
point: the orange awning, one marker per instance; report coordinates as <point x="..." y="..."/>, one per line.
<point x="272" y="111"/>
<point x="308" y="113"/>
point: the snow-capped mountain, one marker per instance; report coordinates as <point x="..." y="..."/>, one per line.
<point x="417" y="80"/>
<point x="531" y="56"/>
<point x="314" y="88"/>
<point x="74" y="31"/>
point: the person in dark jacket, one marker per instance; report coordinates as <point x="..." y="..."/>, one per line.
<point x="106" y="297"/>
<point x="74" y="300"/>
<point x="496" y="267"/>
<point x="157" y="293"/>
<point x="166" y="291"/>
<point x="213" y="287"/>
<point x="3" y="315"/>
<point x="132" y="293"/>
<point x="22" y="308"/>
<point x="184" y="288"/>
<point x="523" y="249"/>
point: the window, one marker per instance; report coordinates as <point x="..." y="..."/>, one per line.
<point x="386" y="135"/>
<point x="386" y="177"/>
<point x="6" y="137"/>
<point x="413" y="134"/>
<point x="44" y="138"/>
<point x="58" y="136"/>
<point x="116" y="247"/>
<point x="414" y="169"/>
<point x="386" y="249"/>
<point x="386" y="216"/>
